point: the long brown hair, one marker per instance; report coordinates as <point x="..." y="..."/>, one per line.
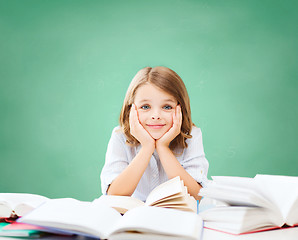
<point x="168" y="81"/>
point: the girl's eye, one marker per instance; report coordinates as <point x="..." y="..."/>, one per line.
<point x="167" y="107"/>
<point x="145" y="107"/>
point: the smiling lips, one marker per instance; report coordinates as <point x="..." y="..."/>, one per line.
<point x="155" y="126"/>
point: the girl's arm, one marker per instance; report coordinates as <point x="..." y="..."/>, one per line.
<point x="173" y="168"/>
<point x="168" y="160"/>
<point x="127" y="181"/>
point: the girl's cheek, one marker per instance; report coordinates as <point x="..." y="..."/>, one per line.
<point x="141" y="118"/>
<point x="169" y="117"/>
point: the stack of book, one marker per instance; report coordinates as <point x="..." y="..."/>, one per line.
<point x="169" y="213"/>
<point x="12" y="207"/>
<point x="246" y="205"/>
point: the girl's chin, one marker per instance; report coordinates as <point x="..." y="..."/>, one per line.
<point x="156" y="136"/>
<point x="156" y="133"/>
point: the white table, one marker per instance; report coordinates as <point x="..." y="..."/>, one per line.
<point x="207" y="234"/>
<point x="280" y="234"/>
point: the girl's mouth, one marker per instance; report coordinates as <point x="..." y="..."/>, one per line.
<point x="155" y="126"/>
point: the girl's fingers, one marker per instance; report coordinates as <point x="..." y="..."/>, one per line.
<point x="180" y="115"/>
<point x="132" y="116"/>
<point x="177" y="117"/>
<point x="135" y="116"/>
<point x="175" y="129"/>
<point x="136" y="128"/>
<point x="134" y="119"/>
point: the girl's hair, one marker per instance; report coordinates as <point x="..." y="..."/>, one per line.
<point x="168" y="81"/>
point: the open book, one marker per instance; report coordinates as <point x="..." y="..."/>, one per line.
<point x="170" y="194"/>
<point x="251" y="204"/>
<point x="17" y="204"/>
<point x="70" y="216"/>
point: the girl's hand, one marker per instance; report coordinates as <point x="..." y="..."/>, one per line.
<point x="138" y="131"/>
<point x="174" y="131"/>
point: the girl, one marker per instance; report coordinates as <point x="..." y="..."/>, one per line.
<point x="156" y="139"/>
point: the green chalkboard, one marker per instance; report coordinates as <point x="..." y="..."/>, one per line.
<point x="65" y="67"/>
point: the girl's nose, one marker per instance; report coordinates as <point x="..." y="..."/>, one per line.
<point x="155" y="114"/>
<point x="155" y="118"/>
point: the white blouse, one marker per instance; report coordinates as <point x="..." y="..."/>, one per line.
<point x="119" y="155"/>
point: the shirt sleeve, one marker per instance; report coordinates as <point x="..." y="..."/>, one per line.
<point x="194" y="161"/>
<point x="116" y="160"/>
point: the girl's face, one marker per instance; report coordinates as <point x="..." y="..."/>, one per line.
<point x="155" y="109"/>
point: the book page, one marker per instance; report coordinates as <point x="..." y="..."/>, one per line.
<point x="245" y="186"/>
<point x="238" y="219"/>
<point x="5" y="209"/>
<point x="232" y="195"/>
<point x="240" y="182"/>
<point x="121" y="203"/>
<point x="281" y="190"/>
<point x="180" y="200"/>
<point x="160" y="221"/>
<point x="168" y="199"/>
<point x="169" y="188"/>
<point x="184" y="202"/>
<point x="292" y="218"/>
<point x="22" y="203"/>
<point x="16" y="198"/>
<point x="73" y="216"/>
<point x="144" y="236"/>
<point x="245" y="183"/>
